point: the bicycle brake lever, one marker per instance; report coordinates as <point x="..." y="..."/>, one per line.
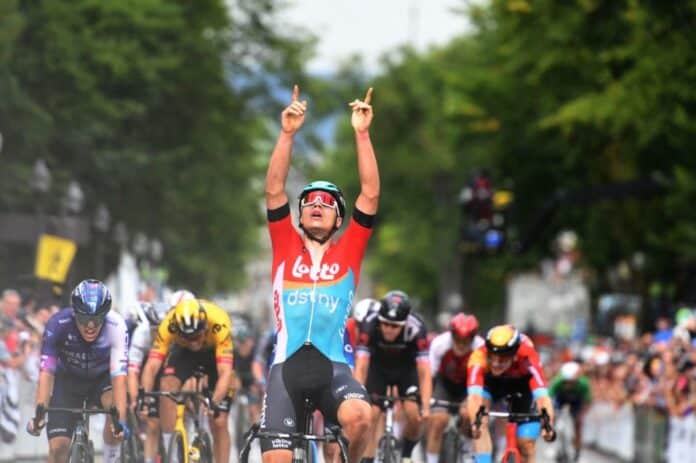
<point x="479" y="416"/>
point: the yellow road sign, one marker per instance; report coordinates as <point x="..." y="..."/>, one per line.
<point x="54" y="257"/>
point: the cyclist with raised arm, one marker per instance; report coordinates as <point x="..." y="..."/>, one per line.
<point x="449" y="359"/>
<point x="507" y="364"/>
<point x="314" y="281"/>
<point x="139" y="348"/>
<point x="392" y="342"/>
<point x="83" y="355"/>
<point x="195" y="333"/>
<point x="571" y="387"/>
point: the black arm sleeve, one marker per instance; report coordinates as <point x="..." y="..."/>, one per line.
<point x="363" y="219"/>
<point x="275" y="215"/>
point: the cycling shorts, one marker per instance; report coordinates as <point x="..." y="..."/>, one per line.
<point x="496" y="388"/>
<point x="444" y="389"/>
<point x="379" y="377"/>
<point x="574" y="403"/>
<point x="70" y="392"/>
<point x="305" y="374"/>
<point x="183" y="363"/>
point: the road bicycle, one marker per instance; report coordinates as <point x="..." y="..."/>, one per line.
<point x="132" y="448"/>
<point x="387" y="448"/>
<point x="301" y="442"/>
<point x="200" y="448"/>
<point x="179" y="450"/>
<point x="455" y="447"/>
<point x="512" y="453"/>
<point x="81" y="446"/>
<point x="564" y="427"/>
<point x="241" y="422"/>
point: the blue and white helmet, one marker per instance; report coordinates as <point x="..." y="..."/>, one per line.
<point x="91" y="298"/>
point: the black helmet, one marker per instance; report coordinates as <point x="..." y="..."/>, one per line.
<point x="91" y="301"/>
<point x="154" y="313"/>
<point x="395" y="307"/>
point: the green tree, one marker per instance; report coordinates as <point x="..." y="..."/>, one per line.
<point x="154" y="107"/>
<point x="550" y="97"/>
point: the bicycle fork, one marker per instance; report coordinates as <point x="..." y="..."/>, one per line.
<point x="511" y="439"/>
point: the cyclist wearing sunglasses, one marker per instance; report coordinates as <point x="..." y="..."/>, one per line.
<point x="314" y="281"/>
<point x="83" y="354"/>
<point x="392" y="341"/>
<point x="507" y="364"/>
<point x="449" y="358"/>
<point x="195" y="333"/>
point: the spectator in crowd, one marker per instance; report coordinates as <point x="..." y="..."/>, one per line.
<point x="13" y="326"/>
<point x="39" y="316"/>
<point x="10" y="305"/>
<point x="663" y="333"/>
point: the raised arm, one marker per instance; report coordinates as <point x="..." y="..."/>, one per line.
<point x="291" y="120"/>
<point x="367" y="163"/>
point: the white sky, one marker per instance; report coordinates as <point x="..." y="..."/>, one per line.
<point x="371" y="27"/>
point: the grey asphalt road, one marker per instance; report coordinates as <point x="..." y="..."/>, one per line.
<point x="544" y="455"/>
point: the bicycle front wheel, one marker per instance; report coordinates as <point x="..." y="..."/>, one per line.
<point x="78" y="453"/>
<point x="205" y="447"/>
<point x="563" y="447"/>
<point x="130" y="449"/>
<point x="511" y="458"/>
<point x="176" y="452"/>
<point x="450" y="447"/>
<point x="241" y="424"/>
<point x="387" y="449"/>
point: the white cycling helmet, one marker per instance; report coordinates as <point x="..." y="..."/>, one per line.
<point x="364" y="307"/>
<point x="180" y="295"/>
<point x="570" y="371"/>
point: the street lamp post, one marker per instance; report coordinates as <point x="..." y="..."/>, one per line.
<point x="101" y="222"/>
<point x="41" y="184"/>
<point x="72" y="204"/>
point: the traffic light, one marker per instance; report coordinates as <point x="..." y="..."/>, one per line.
<point x="484" y="218"/>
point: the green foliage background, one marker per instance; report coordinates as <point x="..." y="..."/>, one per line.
<point x="161" y="110"/>
<point x="549" y="96"/>
<point x="154" y="107"/>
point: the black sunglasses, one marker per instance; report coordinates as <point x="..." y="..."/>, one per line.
<point x="84" y="319"/>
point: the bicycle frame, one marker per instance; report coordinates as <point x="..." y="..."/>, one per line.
<point x="565" y="429"/>
<point x="387" y="402"/>
<point x="453" y="425"/>
<point x="511" y="449"/>
<point x="80" y="435"/>
<point x="299" y="454"/>
<point x="180" y="399"/>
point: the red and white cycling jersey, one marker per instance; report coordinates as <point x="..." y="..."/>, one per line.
<point x="526" y="364"/>
<point x="312" y="299"/>
<point x="444" y="362"/>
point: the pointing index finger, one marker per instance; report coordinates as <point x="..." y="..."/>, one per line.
<point x="368" y="96"/>
<point x="295" y="93"/>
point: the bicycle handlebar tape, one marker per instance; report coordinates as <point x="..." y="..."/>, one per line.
<point x="39" y="415"/>
<point x="479" y="416"/>
<point x="546" y="423"/>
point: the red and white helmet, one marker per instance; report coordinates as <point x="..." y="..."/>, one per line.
<point x="180" y="295"/>
<point x="463" y="325"/>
